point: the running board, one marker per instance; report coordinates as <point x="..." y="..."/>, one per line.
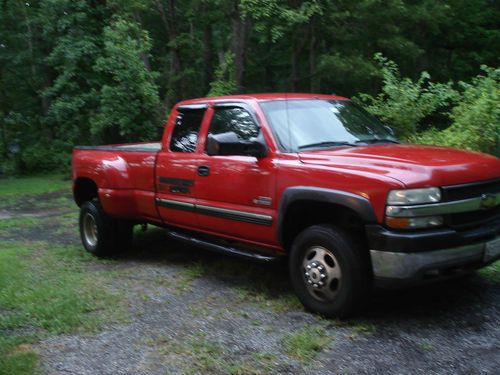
<point x="191" y="239"/>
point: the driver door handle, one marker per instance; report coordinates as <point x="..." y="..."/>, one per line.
<point x="203" y="170"/>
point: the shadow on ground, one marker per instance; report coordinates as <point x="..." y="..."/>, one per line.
<point x="446" y="299"/>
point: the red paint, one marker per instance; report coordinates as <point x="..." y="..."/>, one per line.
<point x="127" y="186"/>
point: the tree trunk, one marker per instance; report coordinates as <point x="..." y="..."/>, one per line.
<point x="208" y="57"/>
<point x="297" y="48"/>
<point x="240" y="28"/>
<point x="176" y="83"/>
<point x="312" y="58"/>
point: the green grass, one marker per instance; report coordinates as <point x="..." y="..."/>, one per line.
<point x="492" y="272"/>
<point x="14" y="187"/>
<point x="45" y="290"/>
<point x="306" y="343"/>
<point x="427" y="346"/>
<point x="361" y="327"/>
<point x="262" y="295"/>
<point x="23" y="222"/>
<point x="201" y="356"/>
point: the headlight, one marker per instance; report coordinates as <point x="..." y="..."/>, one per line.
<point x="394" y="211"/>
<point x="414" y="196"/>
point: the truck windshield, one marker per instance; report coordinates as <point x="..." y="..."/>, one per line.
<point x="314" y="124"/>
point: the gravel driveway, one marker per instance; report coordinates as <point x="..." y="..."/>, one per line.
<point x="189" y="311"/>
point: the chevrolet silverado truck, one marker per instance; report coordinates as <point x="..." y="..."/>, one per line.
<point x="313" y="178"/>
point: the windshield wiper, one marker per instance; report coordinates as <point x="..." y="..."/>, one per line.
<point x="377" y="140"/>
<point x="327" y="144"/>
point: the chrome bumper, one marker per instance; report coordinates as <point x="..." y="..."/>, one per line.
<point x="407" y="266"/>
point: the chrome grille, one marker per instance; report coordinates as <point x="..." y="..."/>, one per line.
<point x="465" y="191"/>
<point x="466" y="220"/>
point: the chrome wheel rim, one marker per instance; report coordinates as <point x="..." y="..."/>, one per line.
<point x="89" y="229"/>
<point x="322" y="273"/>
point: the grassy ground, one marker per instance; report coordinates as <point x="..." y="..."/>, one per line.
<point x="165" y="308"/>
<point x="12" y="189"/>
<point x="44" y="289"/>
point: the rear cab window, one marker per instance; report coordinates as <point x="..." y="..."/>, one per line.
<point x="186" y="130"/>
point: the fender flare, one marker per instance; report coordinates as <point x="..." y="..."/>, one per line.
<point x="356" y="203"/>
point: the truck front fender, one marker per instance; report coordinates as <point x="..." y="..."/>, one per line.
<point x="358" y="204"/>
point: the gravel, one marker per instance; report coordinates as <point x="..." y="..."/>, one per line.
<point x="176" y="317"/>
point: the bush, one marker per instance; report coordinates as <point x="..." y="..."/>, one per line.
<point x="403" y="103"/>
<point x="476" y="118"/>
<point x="44" y="158"/>
<point x="473" y="113"/>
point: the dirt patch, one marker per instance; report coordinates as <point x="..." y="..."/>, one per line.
<point x="34" y="203"/>
<point x="26" y="213"/>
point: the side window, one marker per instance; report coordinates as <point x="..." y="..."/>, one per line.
<point x="186" y="128"/>
<point x="234" y="119"/>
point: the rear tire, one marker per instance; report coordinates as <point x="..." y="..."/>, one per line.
<point x="101" y="234"/>
<point x="329" y="271"/>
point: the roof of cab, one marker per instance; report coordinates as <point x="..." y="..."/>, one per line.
<point x="261" y="97"/>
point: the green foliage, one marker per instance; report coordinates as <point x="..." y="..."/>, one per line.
<point x="224" y="83"/>
<point x="91" y="72"/>
<point x="404" y="103"/>
<point x="75" y="30"/>
<point x="129" y="101"/>
<point x="275" y="18"/>
<point x="473" y="111"/>
<point x="45" y="157"/>
<point x="476" y="118"/>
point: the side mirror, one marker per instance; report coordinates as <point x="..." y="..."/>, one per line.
<point x="230" y="144"/>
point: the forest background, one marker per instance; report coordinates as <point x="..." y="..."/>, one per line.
<point x="96" y="72"/>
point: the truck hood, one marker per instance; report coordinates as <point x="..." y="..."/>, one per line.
<point x="412" y="165"/>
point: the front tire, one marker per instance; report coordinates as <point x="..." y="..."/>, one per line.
<point x="101" y="234"/>
<point x="329" y="270"/>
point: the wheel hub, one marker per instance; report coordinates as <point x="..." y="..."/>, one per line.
<point x="315" y="274"/>
<point x="90" y="229"/>
<point x="322" y="273"/>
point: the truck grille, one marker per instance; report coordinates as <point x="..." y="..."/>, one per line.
<point x="466" y="220"/>
<point x="459" y="192"/>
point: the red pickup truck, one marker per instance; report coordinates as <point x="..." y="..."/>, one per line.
<point x="311" y="177"/>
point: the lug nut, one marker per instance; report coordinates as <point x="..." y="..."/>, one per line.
<point x="308" y="267"/>
<point x="307" y="274"/>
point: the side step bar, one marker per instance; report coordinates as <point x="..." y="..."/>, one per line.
<point x="209" y="245"/>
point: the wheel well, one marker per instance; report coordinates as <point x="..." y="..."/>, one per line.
<point x="302" y="214"/>
<point x="85" y="190"/>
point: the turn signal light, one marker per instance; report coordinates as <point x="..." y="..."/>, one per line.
<point x="413" y="222"/>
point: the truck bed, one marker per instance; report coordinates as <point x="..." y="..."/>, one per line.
<point x="124" y="174"/>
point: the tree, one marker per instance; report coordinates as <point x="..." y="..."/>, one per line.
<point x="129" y="103"/>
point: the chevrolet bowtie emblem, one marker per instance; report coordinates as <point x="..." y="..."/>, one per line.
<point x="488" y="200"/>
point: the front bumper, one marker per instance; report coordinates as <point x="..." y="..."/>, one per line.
<point x="399" y="259"/>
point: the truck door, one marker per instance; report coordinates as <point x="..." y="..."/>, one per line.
<point x="176" y="167"/>
<point x="235" y="195"/>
